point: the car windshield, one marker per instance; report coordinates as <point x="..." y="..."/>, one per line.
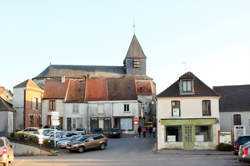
<point x="1" y="142"/>
<point x="114" y="130"/>
<point x="244" y="139"/>
<point x="81" y="139"/>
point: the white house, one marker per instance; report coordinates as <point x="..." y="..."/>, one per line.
<point x="187" y="115"/>
<point x="234" y="107"/>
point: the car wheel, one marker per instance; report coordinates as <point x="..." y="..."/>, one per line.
<point x="81" y="149"/>
<point x="102" y="146"/>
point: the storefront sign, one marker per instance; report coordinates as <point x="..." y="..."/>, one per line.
<point x="171" y="138"/>
<point x="199" y="138"/>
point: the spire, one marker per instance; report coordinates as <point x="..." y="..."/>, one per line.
<point x="135" y="51"/>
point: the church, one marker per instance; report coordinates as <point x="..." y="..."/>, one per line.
<point x="90" y="96"/>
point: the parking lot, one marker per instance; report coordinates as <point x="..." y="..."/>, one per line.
<point x="128" y="151"/>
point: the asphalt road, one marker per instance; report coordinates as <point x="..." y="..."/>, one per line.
<point x="131" y="151"/>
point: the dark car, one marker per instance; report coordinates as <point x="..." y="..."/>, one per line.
<point x="98" y="131"/>
<point x="114" y="132"/>
<point x="240" y="141"/>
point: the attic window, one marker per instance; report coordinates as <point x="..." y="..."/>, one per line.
<point x="136" y="63"/>
<point x="187" y="85"/>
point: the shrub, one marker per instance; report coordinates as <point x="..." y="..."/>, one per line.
<point x="224" y="147"/>
<point x="46" y="143"/>
<point x="33" y="139"/>
<point x="12" y="135"/>
<point x="21" y="136"/>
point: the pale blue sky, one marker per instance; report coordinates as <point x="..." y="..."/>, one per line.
<point x="212" y="37"/>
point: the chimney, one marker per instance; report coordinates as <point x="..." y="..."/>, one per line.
<point x="63" y="79"/>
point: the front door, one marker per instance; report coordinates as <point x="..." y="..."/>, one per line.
<point x="101" y="123"/>
<point x="188" y="136"/>
<point x="69" y="124"/>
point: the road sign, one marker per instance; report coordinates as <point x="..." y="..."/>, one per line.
<point x="135" y="120"/>
<point x="40" y="139"/>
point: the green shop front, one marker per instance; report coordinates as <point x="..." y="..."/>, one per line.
<point x="199" y="133"/>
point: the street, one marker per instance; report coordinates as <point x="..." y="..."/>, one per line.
<point x="126" y="152"/>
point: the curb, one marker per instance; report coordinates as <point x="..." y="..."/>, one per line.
<point x="192" y="153"/>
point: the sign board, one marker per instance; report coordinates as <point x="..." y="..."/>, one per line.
<point x="239" y="130"/>
<point x="171" y="138"/>
<point x="199" y="138"/>
<point x="40" y="139"/>
<point x="55" y="122"/>
<point x="225" y="137"/>
<point x="136" y="120"/>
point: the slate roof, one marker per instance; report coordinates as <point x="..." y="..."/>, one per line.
<point x="135" y="51"/>
<point x="5" y="106"/>
<point x="54" y="89"/>
<point x="78" y="71"/>
<point x="200" y="88"/>
<point x="21" y="85"/>
<point x="234" y="98"/>
<point x="27" y="83"/>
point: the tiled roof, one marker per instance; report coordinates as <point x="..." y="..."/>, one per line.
<point x="143" y="88"/>
<point x="121" y="89"/>
<point x="96" y="90"/>
<point x="75" y="91"/>
<point x="5" y="106"/>
<point x="54" y="89"/>
<point x="200" y="88"/>
<point x="135" y="50"/>
<point x="78" y="71"/>
<point x="234" y="98"/>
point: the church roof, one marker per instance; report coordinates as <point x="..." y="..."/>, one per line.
<point x="135" y="51"/>
<point x="78" y="71"/>
<point x="200" y="88"/>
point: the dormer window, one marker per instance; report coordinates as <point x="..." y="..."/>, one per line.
<point x="186" y="87"/>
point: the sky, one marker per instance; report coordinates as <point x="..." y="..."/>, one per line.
<point x="209" y="38"/>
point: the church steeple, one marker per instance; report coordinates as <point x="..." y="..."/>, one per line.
<point x="135" y="60"/>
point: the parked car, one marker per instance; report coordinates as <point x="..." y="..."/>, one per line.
<point x="98" y="131"/>
<point x="44" y="132"/>
<point x="6" y="152"/>
<point x="240" y="141"/>
<point x="244" y="152"/>
<point x="89" y="142"/>
<point x="64" y="142"/>
<point x="114" y="132"/>
<point x="29" y="130"/>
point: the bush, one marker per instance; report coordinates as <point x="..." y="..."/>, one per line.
<point x="12" y="135"/>
<point x="21" y="137"/>
<point x="34" y="139"/>
<point x="46" y="143"/>
<point x="224" y="147"/>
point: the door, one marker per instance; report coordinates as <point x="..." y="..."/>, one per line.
<point x="188" y="136"/>
<point x="101" y="123"/>
<point x="69" y="124"/>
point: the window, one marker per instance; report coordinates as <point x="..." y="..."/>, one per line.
<point x="31" y="120"/>
<point x="126" y="107"/>
<point x="126" y="123"/>
<point x="237" y="119"/>
<point x="187" y="85"/>
<point x="36" y="103"/>
<point x="136" y="63"/>
<point x="206" y="108"/>
<point x="100" y="109"/>
<point x="75" y="108"/>
<point x="176" y="112"/>
<point x="52" y="105"/>
<point x="173" y="134"/>
<point x="203" y="133"/>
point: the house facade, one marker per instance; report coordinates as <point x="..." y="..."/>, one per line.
<point x="27" y="105"/>
<point x="187" y="115"/>
<point x="234" y="107"/>
<point x="6" y="112"/>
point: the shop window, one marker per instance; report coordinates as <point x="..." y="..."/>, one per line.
<point x="93" y="123"/>
<point x="237" y="119"/>
<point x="203" y="134"/>
<point x="126" y="123"/>
<point x="176" y="112"/>
<point x="126" y="107"/>
<point x="206" y="108"/>
<point x="173" y="134"/>
<point x="107" y="124"/>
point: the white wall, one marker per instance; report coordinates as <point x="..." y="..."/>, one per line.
<point x="18" y="105"/>
<point x="191" y="107"/>
<point x="118" y="108"/>
<point x="226" y="120"/>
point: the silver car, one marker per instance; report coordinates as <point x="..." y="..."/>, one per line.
<point x="6" y="152"/>
<point x="244" y="152"/>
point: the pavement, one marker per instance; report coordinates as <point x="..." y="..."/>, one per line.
<point x="194" y="152"/>
<point x="26" y="150"/>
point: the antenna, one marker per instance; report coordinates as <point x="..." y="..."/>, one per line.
<point x="50" y="60"/>
<point x="134" y="25"/>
